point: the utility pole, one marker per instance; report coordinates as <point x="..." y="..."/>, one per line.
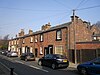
<point x="74" y="28"/>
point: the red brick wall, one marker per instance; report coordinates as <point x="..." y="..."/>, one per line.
<point x="83" y="33"/>
<point x="88" y="46"/>
<point x="50" y="39"/>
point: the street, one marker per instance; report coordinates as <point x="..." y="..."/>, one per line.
<point x="32" y="68"/>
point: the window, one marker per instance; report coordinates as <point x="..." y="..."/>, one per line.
<point x="59" y="50"/>
<point x="41" y="37"/>
<point x="94" y="38"/>
<point x="31" y="50"/>
<point x="36" y="38"/>
<point x="9" y="43"/>
<point x="58" y="35"/>
<point x="93" y="33"/>
<point x="23" y="49"/>
<point x="23" y="41"/>
<point x="12" y="42"/>
<point x="17" y="42"/>
<point x="41" y="50"/>
<point x="31" y="39"/>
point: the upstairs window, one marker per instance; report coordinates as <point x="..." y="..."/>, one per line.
<point x="12" y="42"/>
<point x="23" y="41"/>
<point x="17" y="42"/>
<point x="31" y="39"/>
<point x="41" y="37"/>
<point x="58" y="35"/>
<point x="36" y="38"/>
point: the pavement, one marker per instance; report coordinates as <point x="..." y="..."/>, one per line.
<point x="72" y="65"/>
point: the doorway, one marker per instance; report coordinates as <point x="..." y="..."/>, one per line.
<point x="36" y="52"/>
<point x="50" y="48"/>
<point x="46" y="51"/>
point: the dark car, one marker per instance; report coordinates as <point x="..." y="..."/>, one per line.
<point x="54" y="61"/>
<point x="5" y="52"/>
<point x="27" y="56"/>
<point x="90" y="67"/>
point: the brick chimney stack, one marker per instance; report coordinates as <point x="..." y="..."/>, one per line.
<point x="30" y="32"/>
<point x="21" y="32"/>
<point x="76" y="18"/>
<point x="46" y="26"/>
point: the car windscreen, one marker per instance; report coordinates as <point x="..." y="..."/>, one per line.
<point x="31" y="55"/>
<point x="60" y="57"/>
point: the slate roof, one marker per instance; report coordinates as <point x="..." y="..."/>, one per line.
<point x="44" y="31"/>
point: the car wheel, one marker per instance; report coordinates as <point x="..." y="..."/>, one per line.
<point x="40" y="63"/>
<point x="83" y="71"/>
<point x="53" y="66"/>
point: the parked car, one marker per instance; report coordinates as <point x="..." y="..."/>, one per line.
<point x="27" y="56"/>
<point x="4" y="52"/>
<point x="12" y="54"/>
<point x="90" y="67"/>
<point x="54" y="61"/>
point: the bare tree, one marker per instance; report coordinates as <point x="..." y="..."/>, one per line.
<point x="6" y="37"/>
<point x="98" y="24"/>
<point x="4" y="42"/>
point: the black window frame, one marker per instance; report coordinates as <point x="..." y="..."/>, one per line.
<point x="59" y="30"/>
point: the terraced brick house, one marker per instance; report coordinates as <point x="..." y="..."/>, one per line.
<point x="60" y="39"/>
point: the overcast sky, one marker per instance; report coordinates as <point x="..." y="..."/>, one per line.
<point x="32" y="14"/>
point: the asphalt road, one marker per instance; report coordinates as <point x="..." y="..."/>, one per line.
<point x="31" y="67"/>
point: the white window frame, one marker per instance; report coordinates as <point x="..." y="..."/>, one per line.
<point x="62" y="50"/>
<point x="95" y="38"/>
<point x="17" y="42"/>
<point x="41" y="37"/>
<point x="23" y="41"/>
<point x="31" y="50"/>
<point x="41" y="50"/>
<point x="59" y="35"/>
<point x="36" y="38"/>
<point x="31" y="39"/>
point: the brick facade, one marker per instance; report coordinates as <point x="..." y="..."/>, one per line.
<point x="51" y="40"/>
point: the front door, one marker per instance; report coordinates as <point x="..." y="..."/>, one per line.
<point x="46" y="51"/>
<point x="28" y="49"/>
<point x="20" y="51"/>
<point x="36" y="52"/>
<point x="50" y="49"/>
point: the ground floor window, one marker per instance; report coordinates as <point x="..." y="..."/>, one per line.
<point x="31" y="50"/>
<point x="23" y="49"/>
<point x="59" y="50"/>
<point x="41" y="50"/>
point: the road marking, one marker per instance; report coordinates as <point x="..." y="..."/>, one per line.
<point x="38" y="68"/>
